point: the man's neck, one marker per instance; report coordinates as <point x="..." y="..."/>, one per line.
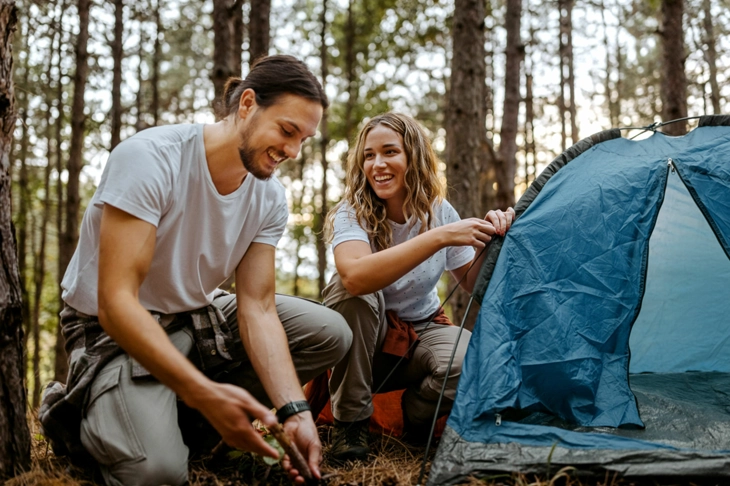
<point x="221" y="153"/>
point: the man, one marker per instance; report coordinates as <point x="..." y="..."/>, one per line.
<point x="178" y="210"/>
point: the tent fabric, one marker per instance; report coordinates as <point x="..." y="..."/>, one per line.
<point x="682" y="245"/>
<point x="490" y="259"/>
<point x="562" y="293"/>
<point x="687" y="433"/>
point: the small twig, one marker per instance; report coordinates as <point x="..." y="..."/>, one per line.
<point x="295" y="456"/>
<point x="219" y="452"/>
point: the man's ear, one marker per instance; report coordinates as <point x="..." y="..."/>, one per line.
<point x="247" y="103"/>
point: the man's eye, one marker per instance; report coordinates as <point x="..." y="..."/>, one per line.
<point x="286" y="132"/>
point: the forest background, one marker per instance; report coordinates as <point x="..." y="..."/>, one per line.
<point x="503" y="86"/>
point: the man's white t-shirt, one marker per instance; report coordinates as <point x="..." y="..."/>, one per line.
<point x="414" y="296"/>
<point x="160" y="176"/>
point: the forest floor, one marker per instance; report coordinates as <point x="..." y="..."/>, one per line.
<point x="393" y="464"/>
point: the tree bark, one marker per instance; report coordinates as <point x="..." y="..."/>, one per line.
<point x="237" y="33"/>
<point x="75" y="162"/>
<point x="14" y="433"/>
<point x="60" y="204"/>
<point x="222" y="46"/>
<point x="21" y="219"/>
<point x="505" y="162"/>
<point x="259" y="29"/>
<point x="711" y="56"/>
<point x="608" y="85"/>
<point x="155" y="77"/>
<point x="323" y="144"/>
<point x="226" y="53"/>
<point x="350" y="76"/>
<point x="567" y="78"/>
<point x="674" y="79"/>
<point x="530" y="163"/>
<point x="467" y="147"/>
<point x="117" y="48"/>
<point x="139" y="124"/>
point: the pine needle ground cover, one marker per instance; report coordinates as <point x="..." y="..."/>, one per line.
<point x="393" y="463"/>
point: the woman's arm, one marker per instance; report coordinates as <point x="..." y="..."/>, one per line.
<point x="364" y="272"/>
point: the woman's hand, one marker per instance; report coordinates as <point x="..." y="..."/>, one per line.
<point x="501" y="220"/>
<point x="467" y="232"/>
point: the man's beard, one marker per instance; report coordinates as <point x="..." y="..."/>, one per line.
<point x="248" y="153"/>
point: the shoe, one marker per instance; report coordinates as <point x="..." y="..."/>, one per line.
<point x="350" y="441"/>
<point x="415" y="434"/>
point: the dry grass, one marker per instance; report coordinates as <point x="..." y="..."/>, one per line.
<point x="393" y="464"/>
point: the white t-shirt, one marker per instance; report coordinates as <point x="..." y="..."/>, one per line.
<point x="161" y="176"/>
<point x="414" y="296"/>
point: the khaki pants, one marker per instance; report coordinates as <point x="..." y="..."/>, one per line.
<point x="131" y="426"/>
<point x="364" y="367"/>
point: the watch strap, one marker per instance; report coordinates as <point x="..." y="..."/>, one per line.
<point x="292" y="408"/>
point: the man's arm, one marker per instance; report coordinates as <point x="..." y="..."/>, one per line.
<point x="126" y="248"/>
<point x="267" y="346"/>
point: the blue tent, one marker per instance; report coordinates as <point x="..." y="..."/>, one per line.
<point x="603" y="339"/>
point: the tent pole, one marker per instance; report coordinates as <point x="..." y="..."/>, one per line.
<point x="443" y="390"/>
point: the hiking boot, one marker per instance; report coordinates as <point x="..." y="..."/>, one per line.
<point x="350" y="441"/>
<point x="415" y="434"/>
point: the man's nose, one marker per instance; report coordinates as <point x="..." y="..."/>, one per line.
<point x="291" y="149"/>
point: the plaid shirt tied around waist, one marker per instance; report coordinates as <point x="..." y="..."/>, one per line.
<point x="89" y="349"/>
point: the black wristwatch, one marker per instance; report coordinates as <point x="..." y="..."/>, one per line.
<point x="292" y="408"/>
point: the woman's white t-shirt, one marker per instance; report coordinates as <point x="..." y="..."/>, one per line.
<point x="414" y="296"/>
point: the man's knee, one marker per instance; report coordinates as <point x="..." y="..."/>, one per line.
<point x="156" y="469"/>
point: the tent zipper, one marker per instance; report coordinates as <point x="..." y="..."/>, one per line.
<point x="670" y="164"/>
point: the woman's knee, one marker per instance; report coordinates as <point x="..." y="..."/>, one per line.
<point x="338" y="334"/>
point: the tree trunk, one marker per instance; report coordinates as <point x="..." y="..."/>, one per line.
<point x="75" y="161"/>
<point x="39" y="271"/>
<point x="323" y="144"/>
<point x="530" y="153"/>
<point x="608" y="84"/>
<point x="117" y="48"/>
<point x="711" y="56"/>
<point x="259" y="29"/>
<point x="237" y="31"/>
<point x="139" y="124"/>
<point x="674" y="80"/>
<point x="14" y="433"/>
<point x="21" y="218"/>
<point x="222" y="46"/>
<point x="58" y="350"/>
<point x="567" y="82"/>
<point x="505" y="162"/>
<point x="350" y="76"/>
<point x="155" y="77"/>
<point x="467" y="147"/>
<point x="571" y="75"/>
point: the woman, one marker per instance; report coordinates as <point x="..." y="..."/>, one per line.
<point x="393" y="236"/>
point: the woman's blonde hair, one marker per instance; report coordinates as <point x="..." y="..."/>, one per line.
<point x="423" y="186"/>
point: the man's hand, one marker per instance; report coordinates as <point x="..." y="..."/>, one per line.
<point x="303" y="432"/>
<point x="230" y="410"/>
